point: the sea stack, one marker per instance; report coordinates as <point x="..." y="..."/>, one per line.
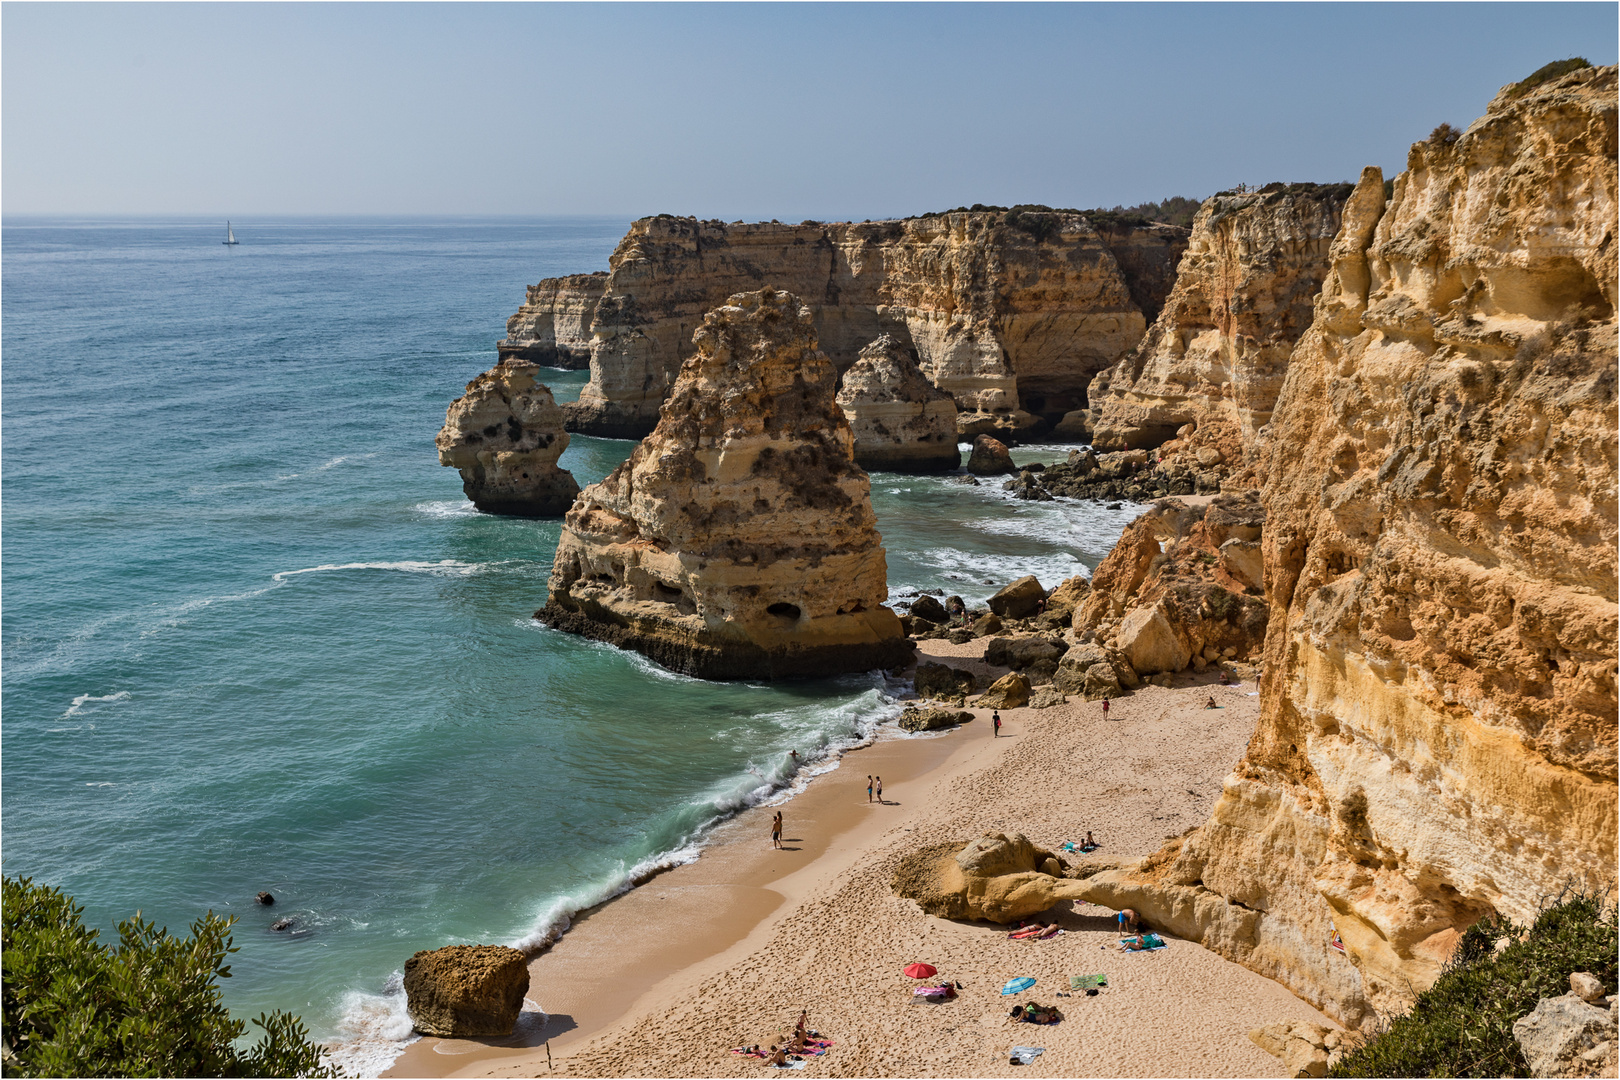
<point x="738" y="541"/>
<point x="505" y="435"/>
<point x="901" y="422"/>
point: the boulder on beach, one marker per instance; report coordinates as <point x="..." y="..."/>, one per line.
<point x="927" y="608"/>
<point x="1150" y="642"/>
<point x="1020" y="653"/>
<point x="999" y="877"/>
<point x="915" y="719"/>
<point x="466" y="991"/>
<point x="942" y="682"/>
<point x="1019" y="600"/>
<point x="1011" y="691"/>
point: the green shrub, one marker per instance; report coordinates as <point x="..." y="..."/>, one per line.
<point x="1444" y="135"/>
<point x="1463" y="1024"/>
<point x="1549" y="72"/>
<point x="150" y="1007"/>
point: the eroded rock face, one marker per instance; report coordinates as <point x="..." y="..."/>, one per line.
<point x="738" y="540"/>
<point x="1011" y="319"/>
<point x="466" y="991"/>
<point x="1166" y="595"/>
<point x="553" y="327"/>
<point x="901" y="423"/>
<point x="1437" y="732"/>
<point x="998" y="877"/>
<point x="505" y="435"/>
<point x="1242" y="298"/>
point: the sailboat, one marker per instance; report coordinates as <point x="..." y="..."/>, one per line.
<point x="230" y="237"/>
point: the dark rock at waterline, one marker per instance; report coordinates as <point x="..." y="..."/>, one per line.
<point x="281" y="924"/>
<point x="926" y="607"/>
<point x="466" y="991"/>
<point x="264" y="898"/>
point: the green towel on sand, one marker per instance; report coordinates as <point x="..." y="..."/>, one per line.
<point x="1087" y="982"/>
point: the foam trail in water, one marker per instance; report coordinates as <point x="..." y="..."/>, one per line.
<point x="444" y="567"/>
<point x="449" y="508"/>
<point x="80" y="701"/>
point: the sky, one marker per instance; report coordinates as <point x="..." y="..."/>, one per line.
<point x="734" y="111"/>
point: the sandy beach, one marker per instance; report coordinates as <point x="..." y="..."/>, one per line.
<point x="664" y="980"/>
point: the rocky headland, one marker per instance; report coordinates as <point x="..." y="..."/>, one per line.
<point x="901" y="422"/>
<point x="1437" y="734"/>
<point x="505" y="435"/>
<point x="738" y="540"/>
<point x="1011" y="312"/>
<point x="553" y="327"/>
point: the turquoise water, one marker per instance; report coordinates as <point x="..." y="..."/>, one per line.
<point x="255" y="638"/>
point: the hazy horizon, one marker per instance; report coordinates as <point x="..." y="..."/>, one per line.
<point x="833" y="112"/>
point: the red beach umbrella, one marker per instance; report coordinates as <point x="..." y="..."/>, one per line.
<point x="920" y="971"/>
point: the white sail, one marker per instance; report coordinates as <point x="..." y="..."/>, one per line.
<point x="230" y="237"/>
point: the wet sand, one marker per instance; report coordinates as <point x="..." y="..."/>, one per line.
<point x="665" y="979"/>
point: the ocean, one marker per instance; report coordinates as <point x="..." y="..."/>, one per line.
<point x="255" y="638"/>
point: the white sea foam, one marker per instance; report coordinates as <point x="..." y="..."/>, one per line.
<point x="84" y="699"/>
<point x="447" y="508"/>
<point x="172" y="617"/>
<point x="555" y="917"/>
<point x="443" y="568"/>
<point x="373" y="1029"/>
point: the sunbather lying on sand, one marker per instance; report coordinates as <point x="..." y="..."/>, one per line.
<point x="1034" y="930"/>
<point x="1032" y="1013"/>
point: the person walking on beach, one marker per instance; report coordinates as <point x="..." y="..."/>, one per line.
<point x="880" y="788"/>
<point x="1105" y="708"/>
<point x="995" y="718"/>
<point x="869" y="788"/>
<point x="776" y="830"/>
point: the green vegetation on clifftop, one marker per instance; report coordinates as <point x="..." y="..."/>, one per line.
<point x="1463" y="1024"/>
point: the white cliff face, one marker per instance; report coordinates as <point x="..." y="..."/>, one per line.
<point x="1437" y="738"/>
<point x="900" y="421"/>
<point x="1011" y="319"/>
<point x="738" y="541"/>
<point x="505" y="436"/>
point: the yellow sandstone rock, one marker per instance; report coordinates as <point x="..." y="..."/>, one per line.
<point x="1437" y="735"/>
<point x="900" y="421"/>
<point x="505" y="435"/>
<point x="1242" y="298"/>
<point x="1012" y="319"/>
<point x="738" y="540"/>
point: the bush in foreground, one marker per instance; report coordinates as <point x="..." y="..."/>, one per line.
<point x="1463" y="1024"/>
<point x="149" y="1007"/>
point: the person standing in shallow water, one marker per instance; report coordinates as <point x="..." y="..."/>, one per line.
<point x="776" y="830"/>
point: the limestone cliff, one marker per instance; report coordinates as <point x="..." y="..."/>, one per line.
<point x="738" y="540"/>
<point x="1011" y="314"/>
<point x="553" y="327"/>
<point x="901" y="421"/>
<point x="1182" y="587"/>
<point x="505" y="434"/>
<point x="1437" y="734"/>
<point x="1217" y="352"/>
